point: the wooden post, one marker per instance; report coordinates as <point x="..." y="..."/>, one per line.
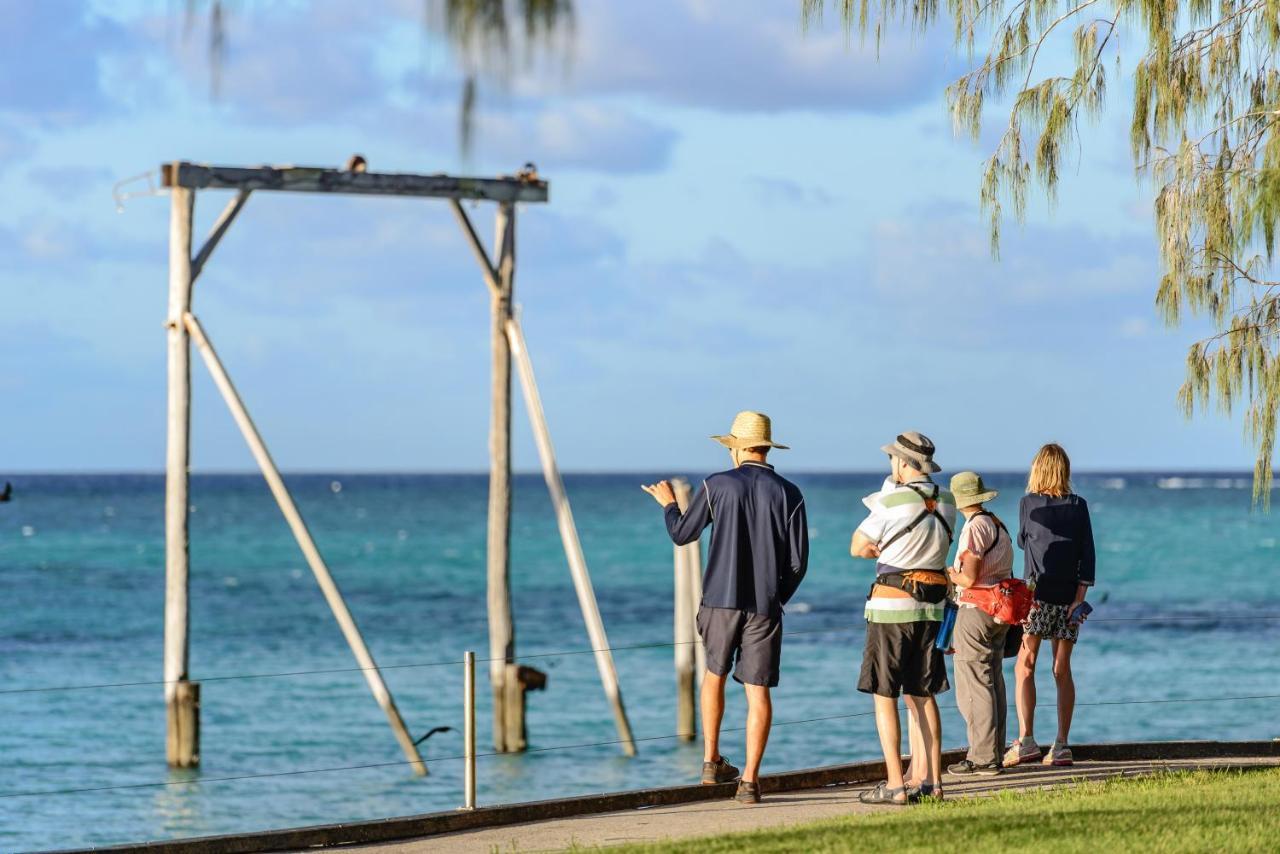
<point x="685" y="632"/>
<point x="468" y="730"/>
<point x="502" y="635"/>
<point x="312" y="554"/>
<point x="182" y="711"/>
<point x="569" y="537"/>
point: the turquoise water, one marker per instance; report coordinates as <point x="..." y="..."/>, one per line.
<point x="81" y="579"/>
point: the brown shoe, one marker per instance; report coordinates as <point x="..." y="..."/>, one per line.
<point x="719" y="771"/>
<point x="748" y="793"/>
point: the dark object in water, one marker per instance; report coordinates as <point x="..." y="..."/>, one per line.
<point x="433" y="731"/>
<point x="8" y="491"/>
<point x="531" y="678"/>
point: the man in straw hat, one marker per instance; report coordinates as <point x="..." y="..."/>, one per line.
<point x="758" y="556"/>
<point x="908" y="534"/>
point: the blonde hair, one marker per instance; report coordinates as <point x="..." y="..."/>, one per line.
<point x="1050" y="472"/>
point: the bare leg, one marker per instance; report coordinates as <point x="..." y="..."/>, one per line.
<point x="890" y="738"/>
<point x="925" y="710"/>
<point x="1025" y="675"/>
<point x="933" y="724"/>
<point x="759" y="719"/>
<point x="712" y="713"/>
<point x="1066" y="687"/>
<point x="918" y="770"/>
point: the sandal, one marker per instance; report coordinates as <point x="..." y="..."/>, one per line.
<point x="924" y="792"/>
<point x="882" y="794"/>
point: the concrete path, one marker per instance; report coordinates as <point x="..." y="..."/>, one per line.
<point x="714" y="817"/>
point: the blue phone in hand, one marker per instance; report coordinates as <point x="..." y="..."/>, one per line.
<point x="1078" y="614"/>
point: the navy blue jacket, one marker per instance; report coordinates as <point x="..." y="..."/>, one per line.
<point x="1057" y="537"/>
<point x="759" y="537"/>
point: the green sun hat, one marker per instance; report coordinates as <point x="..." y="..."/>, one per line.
<point x="968" y="489"/>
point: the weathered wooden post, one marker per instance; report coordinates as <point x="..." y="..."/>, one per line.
<point x="508" y="700"/>
<point x="685" y="632"/>
<point x="182" y="698"/>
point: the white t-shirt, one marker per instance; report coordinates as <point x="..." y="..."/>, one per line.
<point x="895" y="507"/>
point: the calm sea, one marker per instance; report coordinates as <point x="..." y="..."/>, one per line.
<point x="82" y="586"/>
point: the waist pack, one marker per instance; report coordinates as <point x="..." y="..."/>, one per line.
<point x="1009" y="601"/>
<point x="923" y="585"/>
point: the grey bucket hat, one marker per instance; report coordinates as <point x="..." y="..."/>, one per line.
<point x="914" y="449"/>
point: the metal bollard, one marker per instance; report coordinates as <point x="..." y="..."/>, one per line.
<point x="469" y="730"/>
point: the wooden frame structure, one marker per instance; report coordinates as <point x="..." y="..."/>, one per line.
<point x="182" y="696"/>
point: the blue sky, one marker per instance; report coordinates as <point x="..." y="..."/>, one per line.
<point x="741" y="216"/>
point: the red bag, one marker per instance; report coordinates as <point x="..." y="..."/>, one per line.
<point x="1009" y="601"/>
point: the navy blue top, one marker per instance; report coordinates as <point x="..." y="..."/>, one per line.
<point x="1057" y="537"/>
<point x="759" y="537"/>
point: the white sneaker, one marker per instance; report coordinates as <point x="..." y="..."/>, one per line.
<point x="1022" y="751"/>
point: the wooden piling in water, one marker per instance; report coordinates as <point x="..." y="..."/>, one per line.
<point x="182" y="710"/>
<point x="685" y="632"/>
<point x="508" y="699"/>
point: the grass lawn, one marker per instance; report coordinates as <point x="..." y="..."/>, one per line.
<point x="1200" y="811"/>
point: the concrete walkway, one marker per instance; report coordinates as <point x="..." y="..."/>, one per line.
<point x="784" y="808"/>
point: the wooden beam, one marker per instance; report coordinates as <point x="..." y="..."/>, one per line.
<point x="215" y="234"/>
<point x="569" y="537"/>
<point x="305" y="179"/>
<point x="181" y="710"/>
<point x="329" y="587"/>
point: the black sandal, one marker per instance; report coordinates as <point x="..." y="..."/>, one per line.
<point x="882" y="794"/>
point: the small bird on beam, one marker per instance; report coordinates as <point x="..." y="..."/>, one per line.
<point x="357" y="163"/>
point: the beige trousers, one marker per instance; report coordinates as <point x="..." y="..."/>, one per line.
<point x="979" y="667"/>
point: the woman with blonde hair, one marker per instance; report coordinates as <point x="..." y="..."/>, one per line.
<point x="1056" y="536"/>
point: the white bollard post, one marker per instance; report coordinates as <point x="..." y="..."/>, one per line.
<point x="469" y="730"/>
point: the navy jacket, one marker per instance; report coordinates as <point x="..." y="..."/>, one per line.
<point x="759" y="538"/>
<point x="1057" y="536"/>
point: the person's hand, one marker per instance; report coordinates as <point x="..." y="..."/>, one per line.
<point x="661" y="492"/>
<point x="1072" y="617"/>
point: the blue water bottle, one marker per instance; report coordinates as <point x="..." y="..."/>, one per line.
<point x="948" y="626"/>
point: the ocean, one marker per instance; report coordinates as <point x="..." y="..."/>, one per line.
<point x="1187" y="611"/>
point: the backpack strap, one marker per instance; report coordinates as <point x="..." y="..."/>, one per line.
<point x="999" y="527"/>
<point x="930" y="509"/>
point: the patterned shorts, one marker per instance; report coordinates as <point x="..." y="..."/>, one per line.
<point x="1050" y="621"/>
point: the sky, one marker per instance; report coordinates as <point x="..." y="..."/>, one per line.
<point x="742" y="215"/>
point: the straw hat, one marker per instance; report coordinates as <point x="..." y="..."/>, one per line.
<point x="968" y="488"/>
<point x="750" y="430"/>
<point x="914" y="449"/>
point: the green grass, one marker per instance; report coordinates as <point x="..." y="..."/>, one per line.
<point x="1200" y="811"/>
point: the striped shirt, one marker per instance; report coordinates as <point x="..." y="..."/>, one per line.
<point x="925" y="546"/>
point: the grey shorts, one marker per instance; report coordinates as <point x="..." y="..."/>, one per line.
<point x="753" y="640"/>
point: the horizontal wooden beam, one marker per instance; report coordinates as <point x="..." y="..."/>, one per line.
<point x="303" y="179"/>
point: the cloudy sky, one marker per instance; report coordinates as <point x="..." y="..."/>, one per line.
<point x="742" y="216"/>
